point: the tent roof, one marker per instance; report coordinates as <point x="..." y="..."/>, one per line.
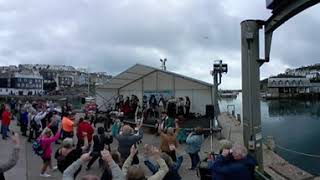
<point x="137" y="72"/>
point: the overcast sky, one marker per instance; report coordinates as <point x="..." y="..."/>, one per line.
<point x="112" y="35"/>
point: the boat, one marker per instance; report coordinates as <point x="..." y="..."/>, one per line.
<point x="232" y="95"/>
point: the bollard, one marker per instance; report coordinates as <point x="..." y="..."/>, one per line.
<point x="239" y="118"/>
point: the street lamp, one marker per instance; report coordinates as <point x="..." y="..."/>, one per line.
<point x="218" y="69"/>
<point x="163" y="64"/>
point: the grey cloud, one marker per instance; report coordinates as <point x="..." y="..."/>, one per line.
<point x="113" y="35"/>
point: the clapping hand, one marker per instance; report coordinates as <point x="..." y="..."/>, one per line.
<point x="106" y="156"/>
<point x="85" y="157"/>
<point x="133" y="150"/>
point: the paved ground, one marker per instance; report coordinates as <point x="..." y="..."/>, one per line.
<point x="19" y="171"/>
<point x="28" y="167"/>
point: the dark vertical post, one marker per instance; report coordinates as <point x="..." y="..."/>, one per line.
<point x="251" y="89"/>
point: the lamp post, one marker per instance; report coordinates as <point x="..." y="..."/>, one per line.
<point x="218" y="69"/>
<point x="163" y="64"/>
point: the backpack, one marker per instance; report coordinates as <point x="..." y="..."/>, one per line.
<point x="37" y="149"/>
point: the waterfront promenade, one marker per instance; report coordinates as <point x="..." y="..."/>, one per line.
<point x="274" y="165"/>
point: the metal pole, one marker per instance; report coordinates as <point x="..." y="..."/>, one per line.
<point x="88" y="83"/>
<point x="251" y="89"/>
<point x="215" y="95"/>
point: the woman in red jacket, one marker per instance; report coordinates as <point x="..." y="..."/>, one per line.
<point x="5" y="116"/>
<point x="84" y="127"/>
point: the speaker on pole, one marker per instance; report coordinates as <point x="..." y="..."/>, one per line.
<point x="210" y="111"/>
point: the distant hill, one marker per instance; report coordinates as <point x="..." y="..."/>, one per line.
<point x="310" y="67"/>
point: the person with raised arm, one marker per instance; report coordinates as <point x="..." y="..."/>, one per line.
<point x="7" y="165"/>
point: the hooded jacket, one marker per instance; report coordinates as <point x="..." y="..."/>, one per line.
<point x="234" y="169"/>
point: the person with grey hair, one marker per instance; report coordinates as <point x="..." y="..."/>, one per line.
<point x="234" y="163"/>
<point x="68" y="154"/>
<point x="126" y="139"/>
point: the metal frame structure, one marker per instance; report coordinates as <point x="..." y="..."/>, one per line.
<point x="282" y="10"/>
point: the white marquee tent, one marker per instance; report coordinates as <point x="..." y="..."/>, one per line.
<point x="145" y="80"/>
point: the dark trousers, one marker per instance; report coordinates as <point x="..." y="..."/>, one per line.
<point x="4" y="131"/>
<point x="34" y="131"/>
<point x="107" y="123"/>
<point x="67" y="134"/>
<point x="2" y="176"/>
<point x="23" y="128"/>
<point x="187" y="110"/>
<point x="195" y="159"/>
<point x="172" y="154"/>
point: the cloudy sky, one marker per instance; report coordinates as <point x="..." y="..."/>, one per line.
<point x="112" y="35"/>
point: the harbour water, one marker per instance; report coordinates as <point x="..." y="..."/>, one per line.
<point x="294" y="124"/>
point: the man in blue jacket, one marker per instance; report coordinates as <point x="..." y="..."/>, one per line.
<point x="234" y="164"/>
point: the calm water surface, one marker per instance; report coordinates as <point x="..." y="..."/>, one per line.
<point x="294" y="124"/>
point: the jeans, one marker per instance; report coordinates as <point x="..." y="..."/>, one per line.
<point x="4" y="131"/>
<point x="195" y="159"/>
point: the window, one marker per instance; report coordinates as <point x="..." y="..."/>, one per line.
<point x="18" y="84"/>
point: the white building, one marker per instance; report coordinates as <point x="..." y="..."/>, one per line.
<point x="143" y="80"/>
<point x="21" y="83"/>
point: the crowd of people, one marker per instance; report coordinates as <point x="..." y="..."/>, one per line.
<point x="153" y="106"/>
<point x="81" y="144"/>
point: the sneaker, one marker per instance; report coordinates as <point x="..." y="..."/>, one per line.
<point x="55" y="168"/>
<point x="45" y="175"/>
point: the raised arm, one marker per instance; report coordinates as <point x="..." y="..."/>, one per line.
<point x="163" y="170"/>
<point x="115" y="169"/>
<point x="55" y="137"/>
<point x="68" y="174"/>
<point x="128" y="161"/>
